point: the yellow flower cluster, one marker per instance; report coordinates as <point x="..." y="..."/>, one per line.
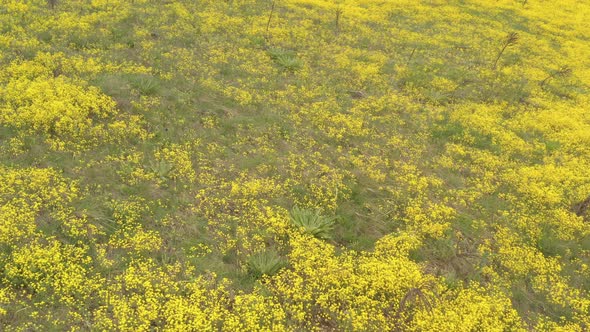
<point x="39" y="99"/>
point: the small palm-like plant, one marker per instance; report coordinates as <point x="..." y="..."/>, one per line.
<point x="162" y="169"/>
<point x="312" y="222"/>
<point x="285" y="58"/>
<point x="267" y="262"/>
<point x="146" y="84"/>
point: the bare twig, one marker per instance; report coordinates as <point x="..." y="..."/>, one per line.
<point x="582" y="208"/>
<point x="561" y="72"/>
<point x="510" y="40"/>
<point x="414" y="296"/>
<point x="338" y="15"/>
<point x="272" y="10"/>
<point x="411" y="55"/>
<point x="356" y="94"/>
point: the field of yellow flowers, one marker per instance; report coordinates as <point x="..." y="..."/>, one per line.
<point x="294" y="165"/>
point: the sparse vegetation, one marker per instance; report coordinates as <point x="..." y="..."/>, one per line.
<point x="294" y="165"/>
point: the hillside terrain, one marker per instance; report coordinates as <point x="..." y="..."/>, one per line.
<point x="294" y="165"/>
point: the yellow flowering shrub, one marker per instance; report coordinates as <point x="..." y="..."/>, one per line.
<point x="55" y="272"/>
<point x="180" y="161"/>
<point x="38" y="98"/>
<point x="471" y="309"/>
<point x="56" y="108"/>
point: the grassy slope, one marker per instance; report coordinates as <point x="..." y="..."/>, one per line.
<point x="391" y="118"/>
